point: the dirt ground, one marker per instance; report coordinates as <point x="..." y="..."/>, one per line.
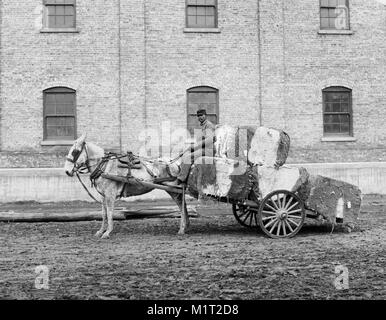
<point x="217" y="259"/>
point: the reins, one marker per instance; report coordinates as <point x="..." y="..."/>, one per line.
<point x="85" y="188"/>
<point x="81" y="167"/>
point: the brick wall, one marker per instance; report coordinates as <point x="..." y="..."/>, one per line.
<point x="165" y="61"/>
<point x="132" y="64"/>
<point x="32" y="61"/>
<point x="298" y="63"/>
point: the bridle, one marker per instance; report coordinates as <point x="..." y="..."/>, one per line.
<point x="82" y="166"/>
<point x="95" y="173"/>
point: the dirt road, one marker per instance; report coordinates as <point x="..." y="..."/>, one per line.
<point x="218" y="259"/>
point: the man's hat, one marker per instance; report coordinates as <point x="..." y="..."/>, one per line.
<point x="201" y="112"/>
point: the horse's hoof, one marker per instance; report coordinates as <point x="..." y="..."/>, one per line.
<point x="105" y="236"/>
<point x="98" y="234"/>
<point x="181" y="232"/>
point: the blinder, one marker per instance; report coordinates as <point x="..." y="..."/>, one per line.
<point x="76" y="154"/>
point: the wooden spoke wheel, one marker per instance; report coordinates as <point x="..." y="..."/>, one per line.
<point x="281" y="214"/>
<point x="245" y="215"/>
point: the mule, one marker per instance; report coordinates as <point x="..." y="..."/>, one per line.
<point x="86" y="156"/>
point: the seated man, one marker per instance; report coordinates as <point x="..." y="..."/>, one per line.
<point x="203" y="147"/>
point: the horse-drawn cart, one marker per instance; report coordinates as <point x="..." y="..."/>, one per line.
<point x="280" y="214"/>
<point x="262" y="191"/>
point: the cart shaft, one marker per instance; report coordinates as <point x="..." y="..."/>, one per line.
<point x="145" y="183"/>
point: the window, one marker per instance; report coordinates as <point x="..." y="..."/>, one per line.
<point x="59" y="14"/>
<point x="201" y="13"/>
<point x="334" y="14"/>
<point x="337" y="111"/>
<point x="202" y="98"/>
<point x="59" y="114"/>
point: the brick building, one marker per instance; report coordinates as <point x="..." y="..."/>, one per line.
<point x="315" y="68"/>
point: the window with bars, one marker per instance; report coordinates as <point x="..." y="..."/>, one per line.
<point x="59" y="13"/>
<point x="201" y="13"/>
<point x="59" y="113"/>
<point x="334" y="14"/>
<point x="337" y="111"/>
<point x="201" y="98"/>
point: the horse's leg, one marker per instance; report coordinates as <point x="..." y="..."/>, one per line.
<point x="184" y="215"/>
<point x="110" y="201"/>
<point x="104" y="219"/>
<point x="184" y="220"/>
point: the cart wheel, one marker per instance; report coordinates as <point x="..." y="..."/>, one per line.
<point x="245" y="215"/>
<point x="281" y="214"/>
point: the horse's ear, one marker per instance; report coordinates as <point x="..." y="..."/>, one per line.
<point x="82" y="138"/>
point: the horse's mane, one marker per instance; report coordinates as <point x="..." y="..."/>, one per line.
<point x="95" y="151"/>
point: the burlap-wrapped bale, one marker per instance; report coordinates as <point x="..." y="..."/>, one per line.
<point x="335" y="200"/>
<point x="253" y="144"/>
<point x="225" y="144"/>
<point x="283" y="178"/>
<point x="269" y="147"/>
<point x="221" y="178"/>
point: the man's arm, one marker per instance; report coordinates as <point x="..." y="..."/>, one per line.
<point x="207" y="139"/>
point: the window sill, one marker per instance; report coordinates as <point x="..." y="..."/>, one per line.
<point x="59" y="30"/>
<point x="338" y="139"/>
<point x="202" y="30"/>
<point x="57" y="142"/>
<point x="335" y="31"/>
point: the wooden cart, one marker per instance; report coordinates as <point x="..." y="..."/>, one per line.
<point x="281" y="214"/>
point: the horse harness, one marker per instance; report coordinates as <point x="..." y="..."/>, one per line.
<point x="132" y="162"/>
<point x="100" y="167"/>
<point x="75" y="156"/>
